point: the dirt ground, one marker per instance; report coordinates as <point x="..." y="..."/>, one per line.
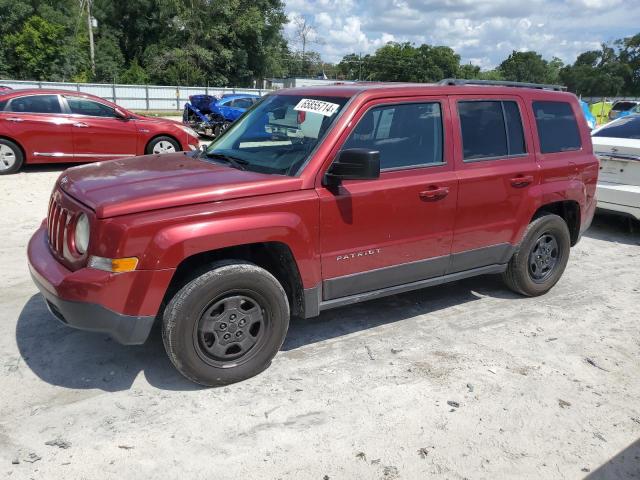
<point x="459" y="381"/>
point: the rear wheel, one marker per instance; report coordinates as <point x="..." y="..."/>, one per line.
<point x="227" y="324"/>
<point x="541" y="258"/>
<point x="11" y="157"/>
<point x="160" y="145"/>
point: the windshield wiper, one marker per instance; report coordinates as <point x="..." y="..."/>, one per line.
<point x="235" y="162"/>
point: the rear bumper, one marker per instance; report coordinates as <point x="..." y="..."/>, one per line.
<point x="121" y="305"/>
<point x="619" y="198"/>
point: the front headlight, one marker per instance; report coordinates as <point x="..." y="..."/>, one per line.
<point x="82" y="234"/>
<point x="189" y="131"/>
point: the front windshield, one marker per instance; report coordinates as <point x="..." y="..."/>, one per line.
<point x="278" y="134"/>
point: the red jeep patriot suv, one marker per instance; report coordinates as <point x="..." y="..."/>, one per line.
<point x="317" y="198"/>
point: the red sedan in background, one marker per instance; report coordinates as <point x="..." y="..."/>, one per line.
<point x="59" y="126"/>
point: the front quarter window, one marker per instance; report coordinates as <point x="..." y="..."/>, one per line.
<point x="278" y="134"/>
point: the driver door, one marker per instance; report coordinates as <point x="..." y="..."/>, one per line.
<point x="398" y="228"/>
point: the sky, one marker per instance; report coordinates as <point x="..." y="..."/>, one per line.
<point x="483" y="32"/>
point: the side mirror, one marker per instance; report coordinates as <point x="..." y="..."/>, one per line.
<point x="353" y="164"/>
<point x="121" y="114"/>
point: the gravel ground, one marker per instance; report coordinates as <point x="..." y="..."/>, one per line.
<point x="459" y="381"/>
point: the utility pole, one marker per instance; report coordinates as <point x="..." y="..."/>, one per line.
<point x="91" y="46"/>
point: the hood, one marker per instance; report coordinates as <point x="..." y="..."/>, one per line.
<point x="145" y="119"/>
<point x="151" y="182"/>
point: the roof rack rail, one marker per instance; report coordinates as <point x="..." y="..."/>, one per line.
<point x="501" y="83"/>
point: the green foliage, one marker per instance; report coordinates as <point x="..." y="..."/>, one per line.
<point x="525" y="67"/>
<point x="240" y="42"/>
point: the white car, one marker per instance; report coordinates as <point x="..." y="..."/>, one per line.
<point x="617" y="145"/>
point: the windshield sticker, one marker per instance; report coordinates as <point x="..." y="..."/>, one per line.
<point x="316" y="106"/>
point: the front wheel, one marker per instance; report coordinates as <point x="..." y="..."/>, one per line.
<point x="161" y="145"/>
<point x="227" y="324"/>
<point x="541" y="258"/>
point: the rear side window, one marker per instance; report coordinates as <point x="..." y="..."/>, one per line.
<point x="406" y="135"/>
<point x="557" y="127"/>
<point x="626" y="127"/>
<point x="35" y="104"/>
<point x="3" y="103"/>
<point x="491" y="129"/>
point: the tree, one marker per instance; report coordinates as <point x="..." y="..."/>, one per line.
<point x="525" y="67"/>
<point x="36" y="48"/>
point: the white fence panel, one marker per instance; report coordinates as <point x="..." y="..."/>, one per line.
<point x="137" y="97"/>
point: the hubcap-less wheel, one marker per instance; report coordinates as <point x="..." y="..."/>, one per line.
<point x="230" y="328"/>
<point x="163" y="146"/>
<point x="7" y="157"/>
<point x="543" y="258"/>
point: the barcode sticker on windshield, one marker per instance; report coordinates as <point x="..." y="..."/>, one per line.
<point x="316" y="106"/>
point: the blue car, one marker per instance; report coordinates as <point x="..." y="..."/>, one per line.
<point x="210" y="116"/>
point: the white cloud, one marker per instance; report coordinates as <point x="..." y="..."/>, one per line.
<point x="481" y="31"/>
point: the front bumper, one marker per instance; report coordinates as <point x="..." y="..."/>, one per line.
<point x="121" y="305"/>
<point x="125" y="329"/>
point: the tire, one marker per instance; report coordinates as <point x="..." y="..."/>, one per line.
<point x="11" y="158"/>
<point x="540" y="259"/>
<point x="160" y="145"/>
<point x="214" y="305"/>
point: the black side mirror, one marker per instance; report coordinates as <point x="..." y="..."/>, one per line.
<point x="353" y="164"/>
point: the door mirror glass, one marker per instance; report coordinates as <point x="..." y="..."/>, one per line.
<point x="354" y="164"/>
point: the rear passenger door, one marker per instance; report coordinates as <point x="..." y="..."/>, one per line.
<point x="39" y="124"/>
<point x="398" y="228"/>
<point x="496" y="168"/>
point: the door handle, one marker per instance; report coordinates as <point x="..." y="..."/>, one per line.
<point x="80" y="125"/>
<point x="521" y="181"/>
<point x="15" y="119"/>
<point x="433" y="194"/>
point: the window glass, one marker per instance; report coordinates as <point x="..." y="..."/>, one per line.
<point x="81" y="106"/>
<point x="3" y="103"/>
<point x="35" y="104"/>
<point x="514" y="128"/>
<point x="626" y="127"/>
<point x="557" y="127"/>
<point x="483" y="129"/>
<point x="623" y="106"/>
<point x="278" y="135"/>
<point x="242" y="103"/>
<point x="405" y="135"/>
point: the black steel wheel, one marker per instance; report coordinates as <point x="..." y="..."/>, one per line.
<point x="231" y="328"/>
<point x="540" y="259"/>
<point x="227" y="324"/>
<point x="544" y="257"/>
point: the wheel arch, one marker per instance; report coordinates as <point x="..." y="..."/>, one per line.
<point x="275" y="257"/>
<point x="568" y="210"/>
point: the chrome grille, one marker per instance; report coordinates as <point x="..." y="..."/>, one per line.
<point x="57" y="222"/>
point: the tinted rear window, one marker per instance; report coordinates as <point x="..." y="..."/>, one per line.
<point x="626" y="127"/>
<point x="35" y="104"/>
<point x="491" y="129"/>
<point x="557" y="127"/>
